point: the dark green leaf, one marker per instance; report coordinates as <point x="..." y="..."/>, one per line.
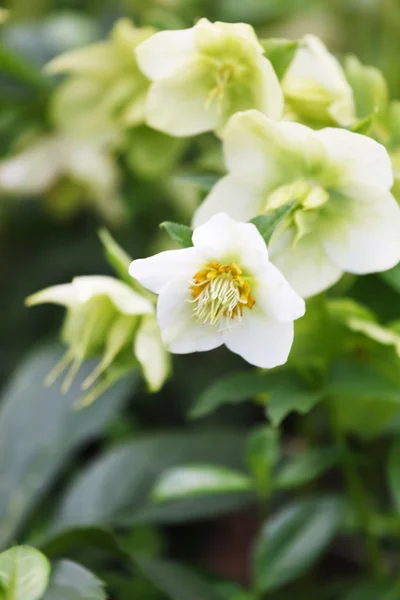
<point x="39" y="431"/>
<point x="363" y="125"/>
<point x="179" y="233"/>
<point x="394" y="472"/>
<point x="118" y="259"/>
<point x="292" y="541"/>
<point x="290" y="395"/>
<point x="280" y="52"/>
<point x="176" y="581"/>
<point x="263" y="451"/>
<point x="16" y="67"/>
<point x="80" y="539"/>
<point x="307" y="467"/>
<point x="199" y="480"/>
<point x="373" y="591"/>
<point x="230" y="390"/>
<point x="70" y="581"/>
<point x="357" y="380"/>
<point x="131" y="471"/>
<point x="392" y="277"/>
<point x="266" y="224"/>
<point x="24" y="573"/>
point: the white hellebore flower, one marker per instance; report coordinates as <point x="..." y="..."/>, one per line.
<point x="106" y="318"/>
<point x="315" y="86"/>
<point x="203" y="75"/>
<point x="223" y="290"/>
<point x="344" y="219"/>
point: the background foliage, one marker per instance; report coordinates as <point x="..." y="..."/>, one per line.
<point x="192" y="493"/>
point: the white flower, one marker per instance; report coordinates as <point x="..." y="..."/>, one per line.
<point x="223" y="290"/>
<point x="203" y="75"/>
<point x="107" y="318"/>
<point x="85" y="161"/>
<point x="345" y="218"/>
<point x="315" y="85"/>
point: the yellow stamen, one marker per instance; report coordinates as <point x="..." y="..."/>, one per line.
<point x="220" y="291"/>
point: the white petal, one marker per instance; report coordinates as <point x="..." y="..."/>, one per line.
<point x="34" y="170"/>
<point x="64" y="294"/>
<point x="151" y="354"/>
<point x="180" y="331"/>
<point x="260" y="340"/>
<point x="254" y="146"/>
<point x="307" y="267"/>
<point x="212" y="36"/>
<point x="271" y="99"/>
<point x="122" y="296"/>
<point x="226" y="240"/>
<point x="368" y="238"/>
<point x="241" y="201"/>
<point x="157" y="271"/>
<point x="367" y="162"/>
<point x="165" y="52"/>
<point x="179" y="106"/>
<point x="276" y="297"/>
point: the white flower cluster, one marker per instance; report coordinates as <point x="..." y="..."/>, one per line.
<point x="229" y="288"/>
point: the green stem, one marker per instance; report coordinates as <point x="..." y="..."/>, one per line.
<point x="359" y="500"/>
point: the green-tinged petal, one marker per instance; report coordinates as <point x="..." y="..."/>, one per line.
<point x="124" y="298"/>
<point x="361" y="232"/>
<point x="100" y="60"/>
<point x="364" y="160"/>
<point x="33" y="170"/>
<point x="165" y="53"/>
<point x="315" y="85"/>
<point x="179" y="105"/>
<point x="150" y="352"/>
<point x="241" y="201"/>
<point x="64" y="294"/>
<point x="306" y="266"/>
<point x="220" y="40"/>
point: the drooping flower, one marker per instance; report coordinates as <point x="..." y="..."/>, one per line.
<point x="104" y="83"/>
<point x="203" y="75"/>
<point x="84" y="163"/>
<point x="315" y="86"/>
<point x="344" y="219"/>
<point x="108" y="319"/>
<point x="223" y="290"/>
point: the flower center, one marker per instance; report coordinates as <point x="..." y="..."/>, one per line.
<point x="220" y="291"/>
<point x="223" y="77"/>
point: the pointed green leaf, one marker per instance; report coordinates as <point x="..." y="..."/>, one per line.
<point x="263" y="451"/>
<point x="182" y="234"/>
<point x="116" y="256"/>
<point x="70" y="581"/>
<point x="293" y="540"/>
<point x="199" y="480"/>
<point x="307" y="467"/>
<point x="266" y="224"/>
<point x="24" y="573"/>
<point x="176" y="581"/>
<point x="280" y="52"/>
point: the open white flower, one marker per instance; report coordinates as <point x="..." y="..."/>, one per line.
<point x="203" y="75"/>
<point x="223" y="290"/>
<point x="315" y="86"/>
<point x="345" y="218"/>
<point x="106" y="318"/>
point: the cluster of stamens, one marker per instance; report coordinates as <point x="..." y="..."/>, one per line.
<point x="220" y="291"/>
<point x="223" y="78"/>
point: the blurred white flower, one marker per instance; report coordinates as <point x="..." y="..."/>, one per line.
<point x="86" y="161"/>
<point x="315" y="86"/>
<point x="345" y="218"/>
<point x="107" y="318"/>
<point x="223" y="290"/>
<point x="203" y="75"/>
